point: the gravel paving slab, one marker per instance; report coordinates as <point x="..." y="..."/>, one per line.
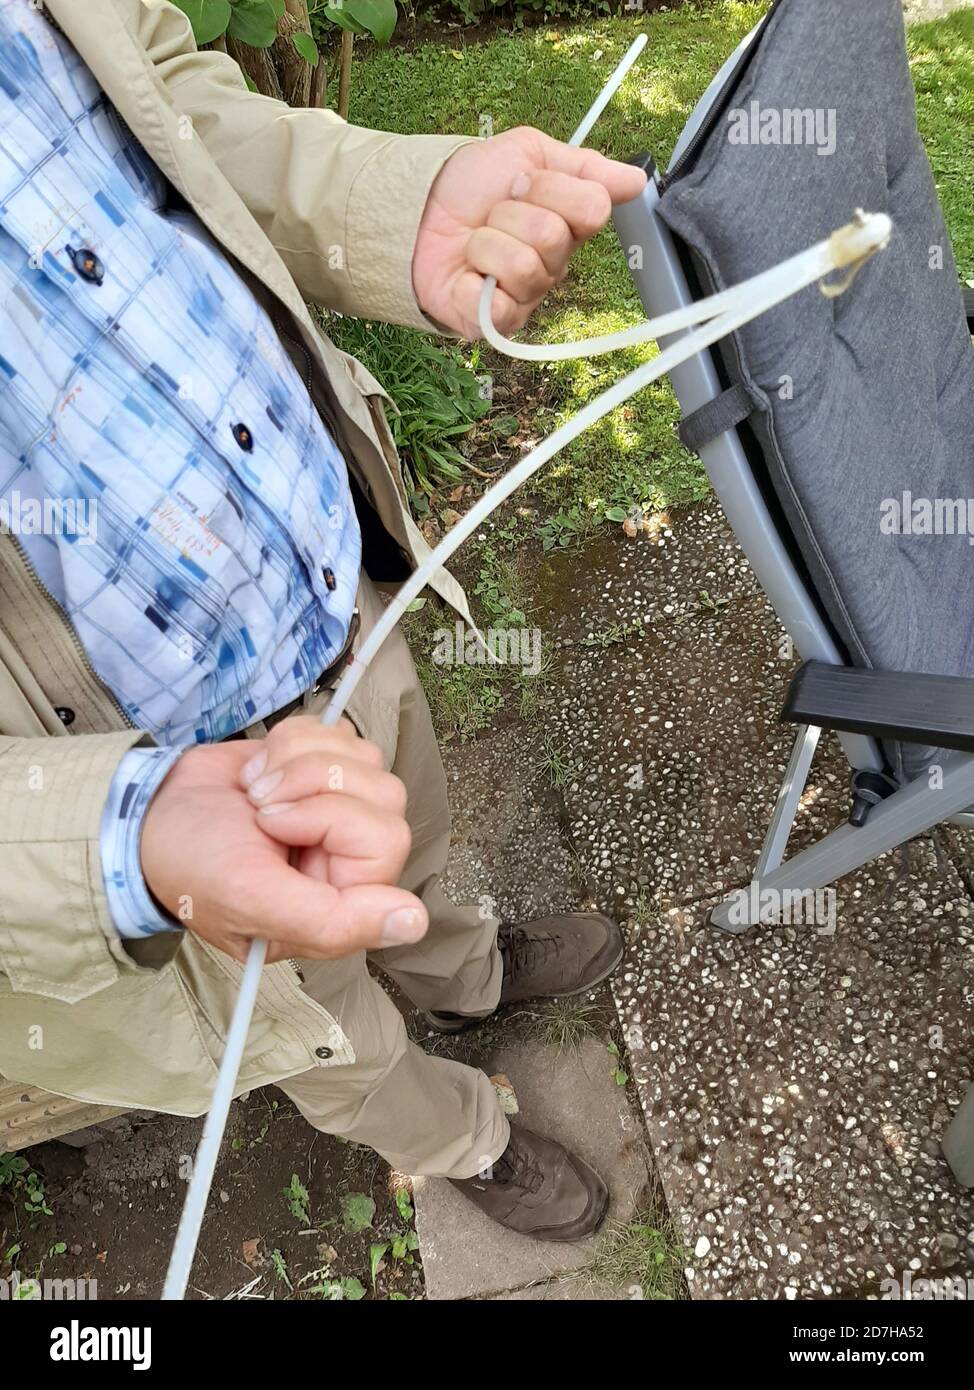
<point x="795" y="1080"/>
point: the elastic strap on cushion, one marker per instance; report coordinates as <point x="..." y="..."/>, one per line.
<point x="715" y="417"/>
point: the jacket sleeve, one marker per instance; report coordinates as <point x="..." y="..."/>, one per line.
<point x="341" y="204"/>
<point x="57" y="937"/>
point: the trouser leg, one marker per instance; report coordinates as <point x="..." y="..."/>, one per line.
<point x="424" y="1115"/>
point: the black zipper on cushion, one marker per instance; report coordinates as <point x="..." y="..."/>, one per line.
<point x="718" y="107"/>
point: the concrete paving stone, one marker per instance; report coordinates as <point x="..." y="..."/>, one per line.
<point x="673" y="670"/>
<point x="958" y="843"/>
<point x="795" y="1084"/>
<point x="509" y="849"/>
<point x="568" y="1290"/>
<point x="573" y="1097"/>
<point x="920" y="10"/>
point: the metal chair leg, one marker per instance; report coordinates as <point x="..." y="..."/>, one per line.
<point x="958" y="1142"/>
<point x="907" y="813"/>
<point x="786" y="808"/>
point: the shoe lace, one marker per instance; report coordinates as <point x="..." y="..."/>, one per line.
<point x="517" y="1165"/>
<point x="521" y="951"/>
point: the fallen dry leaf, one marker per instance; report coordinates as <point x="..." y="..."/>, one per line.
<point x="504" y="1091"/>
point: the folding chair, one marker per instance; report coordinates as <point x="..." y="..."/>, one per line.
<point x="816" y="418"/>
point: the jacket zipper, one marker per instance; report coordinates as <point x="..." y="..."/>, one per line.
<point x="75" y="639"/>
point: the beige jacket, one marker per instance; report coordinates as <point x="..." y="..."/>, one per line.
<point x="142" y="1024"/>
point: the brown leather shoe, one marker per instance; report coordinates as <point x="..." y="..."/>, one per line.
<point x="553" y="957"/>
<point x="539" y="1189"/>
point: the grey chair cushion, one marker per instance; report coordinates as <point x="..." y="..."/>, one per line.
<point x="863" y="398"/>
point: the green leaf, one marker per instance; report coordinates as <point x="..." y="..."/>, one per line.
<point x="343" y="19"/>
<point x="616" y="514"/>
<point x="620" y="1076"/>
<point x="403" y="1202"/>
<point x="358" y="1210"/>
<point x="209" y="18"/>
<point x="376" y="16"/>
<point x="307" y="48"/>
<point x="280" y="1268"/>
<point x="398" y="1298"/>
<point x="375" y="1259"/>
<point x="254" y="22"/>
<point x="330" y="1289"/>
<point x="352" y="1289"/>
<point x="298" y="1201"/>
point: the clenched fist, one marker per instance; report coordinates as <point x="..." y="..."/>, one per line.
<point x="515" y="206"/>
<point x="299" y="838"/>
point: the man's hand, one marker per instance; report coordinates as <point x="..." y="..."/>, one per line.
<point x="515" y="207"/>
<point x="223" y="868"/>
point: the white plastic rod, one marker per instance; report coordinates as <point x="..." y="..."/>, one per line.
<point x="849" y="246"/>
<point x="609" y="90"/>
<point x="860" y="239"/>
<point x="204" y="1165"/>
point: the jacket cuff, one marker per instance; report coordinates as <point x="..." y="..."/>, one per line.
<point x="133" y="910"/>
<point x="385" y="206"/>
<point x="56" y="935"/>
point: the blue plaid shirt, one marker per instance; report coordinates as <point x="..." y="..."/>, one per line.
<point x="162" y="465"/>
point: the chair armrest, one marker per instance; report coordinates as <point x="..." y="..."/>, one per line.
<point x="899" y="705"/>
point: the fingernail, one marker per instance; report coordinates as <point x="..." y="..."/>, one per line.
<point x="253" y="769"/>
<point x="401" y="927"/>
<point x="276" y="809"/>
<point x="521" y="185"/>
<point x="263" y="785"/>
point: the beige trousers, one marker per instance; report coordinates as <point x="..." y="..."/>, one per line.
<point x="424" y="1115"/>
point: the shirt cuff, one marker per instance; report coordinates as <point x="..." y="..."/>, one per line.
<point x="132" y="907"/>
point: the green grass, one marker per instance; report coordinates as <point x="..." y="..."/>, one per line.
<point x="632" y="456"/>
<point x="566" y="1023"/>
<point x="646" y="1257"/>
<point x="942" y="64"/>
<point x="436" y="388"/>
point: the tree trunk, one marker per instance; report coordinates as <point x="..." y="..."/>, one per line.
<point x="319" y="85"/>
<point x="280" y="71"/>
<point x="345" y="73"/>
